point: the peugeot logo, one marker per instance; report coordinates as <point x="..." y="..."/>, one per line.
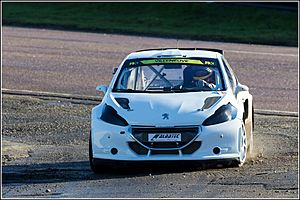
<point x="165" y="116"/>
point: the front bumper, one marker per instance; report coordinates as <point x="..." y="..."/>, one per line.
<point x="116" y="143"/>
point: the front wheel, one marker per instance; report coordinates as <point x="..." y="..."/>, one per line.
<point x="243" y="147"/>
<point x="243" y="150"/>
<point x="95" y="164"/>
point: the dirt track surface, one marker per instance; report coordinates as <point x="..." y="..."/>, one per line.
<point x="75" y="62"/>
<point x="51" y="159"/>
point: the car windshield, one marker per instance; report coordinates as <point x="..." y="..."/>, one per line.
<point x="169" y="75"/>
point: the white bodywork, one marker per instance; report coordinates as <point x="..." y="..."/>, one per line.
<point x="183" y="110"/>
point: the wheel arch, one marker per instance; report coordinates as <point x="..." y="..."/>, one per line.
<point x="248" y="119"/>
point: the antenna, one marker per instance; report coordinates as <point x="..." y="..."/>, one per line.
<point x="177" y="43"/>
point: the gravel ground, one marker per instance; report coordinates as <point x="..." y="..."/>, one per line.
<point x="50" y="159"/>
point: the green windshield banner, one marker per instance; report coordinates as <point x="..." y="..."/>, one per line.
<point x="171" y="60"/>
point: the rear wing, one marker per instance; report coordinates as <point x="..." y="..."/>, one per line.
<point x="205" y="49"/>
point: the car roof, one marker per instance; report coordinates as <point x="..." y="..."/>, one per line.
<point x="176" y="52"/>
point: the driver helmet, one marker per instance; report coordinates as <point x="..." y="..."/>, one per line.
<point x="203" y="74"/>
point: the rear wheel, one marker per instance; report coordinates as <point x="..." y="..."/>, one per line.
<point x="249" y="126"/>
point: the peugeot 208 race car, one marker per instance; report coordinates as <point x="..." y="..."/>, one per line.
<point x="172" y="104"/>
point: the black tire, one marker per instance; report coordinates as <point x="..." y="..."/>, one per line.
<point x="227" y="163"/>
<point x="252" y="117"/>
<point x="233" y="163"/>
<point x="96" y="165"/>
<point x="239" y="162"/>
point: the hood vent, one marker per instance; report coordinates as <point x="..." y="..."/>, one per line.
<point x="209" y="102"/>
<point x="124" y="103"/>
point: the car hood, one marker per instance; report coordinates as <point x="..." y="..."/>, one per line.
<point x="167" y="109"/>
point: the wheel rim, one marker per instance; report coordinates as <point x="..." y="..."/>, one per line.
<point x="243" y="145"/>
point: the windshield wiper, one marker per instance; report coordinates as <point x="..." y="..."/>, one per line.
<point x="165" y="90"/>
<point x="125" y="90"/>
<point x="190" y="89"/>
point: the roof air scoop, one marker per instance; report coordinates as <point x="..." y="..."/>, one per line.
<point x="169" y="53"/>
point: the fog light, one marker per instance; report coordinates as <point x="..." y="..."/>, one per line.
<point x="216" y="150"/>
<point x="114" y="151"/>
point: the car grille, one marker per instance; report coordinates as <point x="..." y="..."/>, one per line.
<point x="143" y="147"/>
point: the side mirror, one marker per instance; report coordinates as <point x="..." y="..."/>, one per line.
<point x="241" y="88"/>
<point x="115" y="70"/>
<point x="102" y="88"/>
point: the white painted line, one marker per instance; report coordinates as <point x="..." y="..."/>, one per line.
<point x="276" y="112"/>
<point x="98" y="98"/>
<point x="53" y="94"/>
<point x="261" y="53"/>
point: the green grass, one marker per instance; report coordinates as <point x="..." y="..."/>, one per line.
<point x="203" y="21"/>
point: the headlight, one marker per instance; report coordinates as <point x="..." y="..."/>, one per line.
<point x="110" y="115"/>
<point x="223" y="114"/>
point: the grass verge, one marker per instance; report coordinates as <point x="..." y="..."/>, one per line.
<point x="229" y="22"/>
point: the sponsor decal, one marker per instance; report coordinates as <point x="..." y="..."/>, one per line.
<point x="133" y="63"/>
<point x="171" y="60"/>
<point x="164" y="137"/>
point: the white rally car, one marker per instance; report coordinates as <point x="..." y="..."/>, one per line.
<point x="172" y="104"/>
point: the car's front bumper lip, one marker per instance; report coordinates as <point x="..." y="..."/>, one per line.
<point x="167" y="157"/>
<point x="224" y="136"/>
